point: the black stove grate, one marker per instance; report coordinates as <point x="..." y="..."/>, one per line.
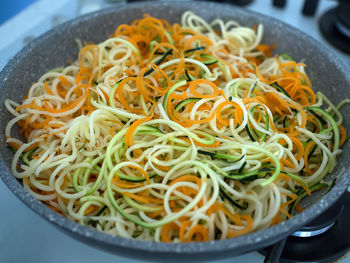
<point x="324" y="247"/>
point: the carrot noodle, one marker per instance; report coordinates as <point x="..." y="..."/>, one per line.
<point x="175" y="133"/>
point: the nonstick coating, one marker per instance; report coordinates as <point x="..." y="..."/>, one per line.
<point x="56" y="47"/>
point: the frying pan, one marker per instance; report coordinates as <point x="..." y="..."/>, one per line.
<point x="56" y="47"/>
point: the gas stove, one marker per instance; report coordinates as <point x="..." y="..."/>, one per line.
<point x="26" y="237"/>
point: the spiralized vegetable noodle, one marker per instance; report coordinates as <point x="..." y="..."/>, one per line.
<point x="176" y="133"/>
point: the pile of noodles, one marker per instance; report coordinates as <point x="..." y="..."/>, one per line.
<point x="176" y="133"/>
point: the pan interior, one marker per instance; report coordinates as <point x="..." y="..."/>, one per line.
<point x="57" y="47"/>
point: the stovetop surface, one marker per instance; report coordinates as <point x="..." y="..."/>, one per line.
<point x="25" y="236"/>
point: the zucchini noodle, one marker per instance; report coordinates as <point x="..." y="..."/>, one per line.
<point x="176" y="133"/>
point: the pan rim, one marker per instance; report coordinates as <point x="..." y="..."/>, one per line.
<point x="243" y="243"/>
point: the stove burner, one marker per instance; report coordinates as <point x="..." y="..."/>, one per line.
<point x="324" y="240"/>
<point x="335" y="27"/>
<point x="322" y="223"/>
<point x="313" y="232"/>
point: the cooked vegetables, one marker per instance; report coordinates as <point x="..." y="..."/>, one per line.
<point x="176" y="133"/>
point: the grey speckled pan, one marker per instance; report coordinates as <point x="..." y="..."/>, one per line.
<point x="56" y="47"/>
